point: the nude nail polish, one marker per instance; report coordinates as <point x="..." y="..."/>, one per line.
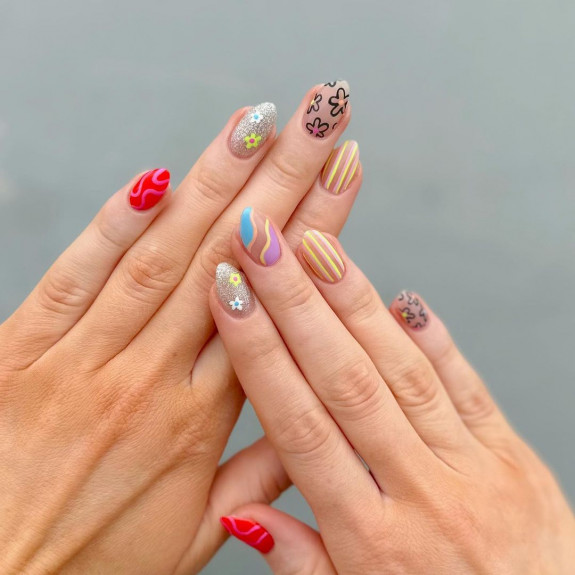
<point x="340" y="168"/>
<point x="149" y="189"/>
<point x="233" y="290"/>
<point x="259" y="237"/>
<point x="248" y="531"/>
<point x="253" y="130"/>
<point x="322" y="257"/>
<point x="411" y="310"/>
<point x="326" y="109"/>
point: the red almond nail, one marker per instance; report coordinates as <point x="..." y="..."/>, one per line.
<point x="248" y="531"/>
<point x="149" y="189"/>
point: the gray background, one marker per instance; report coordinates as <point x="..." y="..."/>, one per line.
<point x="464" y="114"/>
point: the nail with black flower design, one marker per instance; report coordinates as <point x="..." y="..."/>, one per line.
<point x="410" y="310"/>
<point x="233" y="290"/>
<point x="326" y="109"/>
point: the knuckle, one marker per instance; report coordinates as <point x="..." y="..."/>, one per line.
<point x="305" y="433"/>
<point x="363" y="307"/>
<point x="208" y="260"/>
<point x="476" y="404"/>
<point x="286" y="171"/>
<point x="296" y="298"/>
<point x="414" y="383"/>
<point x="211" y="185"/>
<point x="108" y="230"/>
<point x="150" y="270"/>
<point x="61" y="292"/>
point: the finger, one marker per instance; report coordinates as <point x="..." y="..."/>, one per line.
<point x="331" y="360"/>
<point x="278" y="185"/>
<point x="289" y="546"/>
<point x="308" y="441"/>
<point x="70" y="286"/>
<point x="405" y="369"/>
<point x="153" y="267"/>
<point x="254" y="475"/>
<point x="468" y="393"/>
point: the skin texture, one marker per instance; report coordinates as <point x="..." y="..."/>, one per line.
<point x="331" y="373"/>
<point x="116" y="397"/>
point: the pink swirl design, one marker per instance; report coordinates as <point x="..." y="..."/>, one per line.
<point x="149" y="189"/>
<point x="249" y="532"/>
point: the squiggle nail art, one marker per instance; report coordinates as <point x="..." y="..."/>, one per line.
<point x="411" y="310"/>
<point x="149" y="189"/>
<point x="249" y="532"/>
<point x="232" y="289"/>
<point x="322" y="257"/>
<point x="326" y="108"/>
<point x="259" y="237"/>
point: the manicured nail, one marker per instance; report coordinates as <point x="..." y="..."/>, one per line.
<point x="411" y="310"/>
<point x="248" y="531"/>
<point x="340" y="167"/>
<point x="149" y="189"/>
<point x="253" y="130"/>
<point x="233" y="290"/>
<point x="259" y="237"/>
<point x="322" y="257"/>
<point x="326" y="109"/>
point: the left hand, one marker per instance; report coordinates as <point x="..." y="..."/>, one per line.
<point x="448" y="487"/>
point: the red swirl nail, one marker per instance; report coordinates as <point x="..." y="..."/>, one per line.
<point x="248" y="531"/>
<point x="149" y="189"/>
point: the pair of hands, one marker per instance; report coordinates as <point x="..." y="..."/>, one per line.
<point x="118" y="399"/>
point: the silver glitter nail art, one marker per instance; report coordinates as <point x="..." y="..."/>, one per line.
<point x="233" y="290"/>
<point x="253" y="130"/>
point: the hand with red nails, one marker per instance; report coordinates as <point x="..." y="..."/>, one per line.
<point x="391" y="436"/>
<point x="117" y="396"/>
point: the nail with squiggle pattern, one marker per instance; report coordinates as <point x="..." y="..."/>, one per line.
<point x="340" y="167"/>
<point x="322" y="257"/>
<point x="149" y="189"/>
<point x="259" y="237"/>
<point x="411" y="311"/>
<point x="248" y="531"/>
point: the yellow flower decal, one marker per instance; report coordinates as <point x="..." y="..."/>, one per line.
<point x="235" y="279"/>
<point x="252" y="141"/>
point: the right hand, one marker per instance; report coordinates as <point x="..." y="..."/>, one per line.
<point x="116" y="399"/>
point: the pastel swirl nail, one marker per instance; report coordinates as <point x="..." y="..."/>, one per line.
<point x="233" y="290"/>
<point x="259" y="237"/>
<point x="322" y="257"/>
<point x="149" y="189"/>
<point x="411" y="310"/>
<point x="248" y="531"/>
<point x="253" y="130"/>
<point x="326" y="109"/>
<point x="340" y="167"/>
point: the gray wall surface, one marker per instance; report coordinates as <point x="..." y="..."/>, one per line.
<point x="464" y="111"/>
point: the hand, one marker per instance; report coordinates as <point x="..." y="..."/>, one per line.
<point x="116" y="401"/>
<point x="448" y="488"/>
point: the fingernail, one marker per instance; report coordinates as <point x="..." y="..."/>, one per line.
<point x="149" y="189"/>
<point x="326" y="109"/>
<point x="411" y="310"/>
<point x="253" y="130"/>
<point x="248" y="531"/>
<point x="322" y="257"/>
<point x="232" y="289"/>
<point x="340" y="167"/>
<point x="259" y="237"/>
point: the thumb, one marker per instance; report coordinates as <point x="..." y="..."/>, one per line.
<point x="289" y="546"/>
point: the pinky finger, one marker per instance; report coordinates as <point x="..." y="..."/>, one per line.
<point x="289" y="546"/>
<point x="466" y="389"/>
<point x="72" y="283"/>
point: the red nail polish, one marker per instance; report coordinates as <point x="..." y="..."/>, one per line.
<point x="149" y="189"/>
<point x="248" y="531"/>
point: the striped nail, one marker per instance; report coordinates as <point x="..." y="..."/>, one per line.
<point x="259" y="237"/>
<point x="322" y="257"/>
<point x="149" y="189"/>
<point x="248" y="531"/>
<point x="340" y="167"/>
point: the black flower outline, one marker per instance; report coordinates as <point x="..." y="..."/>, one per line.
<point x="317" y="128"/>
<point x="314" y="104"/>
<point x="335" y="102"/>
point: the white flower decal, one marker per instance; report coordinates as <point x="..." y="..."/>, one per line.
<point x="256" y="117"/>
<point x="237" y="304"/>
